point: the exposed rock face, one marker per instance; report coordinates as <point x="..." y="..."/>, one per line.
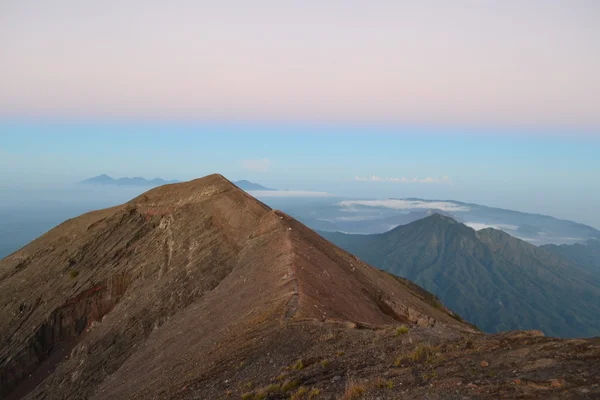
<point x="193" y="290"/>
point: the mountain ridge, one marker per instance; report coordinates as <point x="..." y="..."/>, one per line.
<point x="177" y="268"/>
<point x="136" y="181"/>
<point x="477" y="274"/>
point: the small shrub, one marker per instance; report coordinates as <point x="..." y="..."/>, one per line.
<point x="248" y="396"/>
<point x="299" y="395"/>
<point x="401" y="331"/>
<point x="289" y="385"/>
<point x="325" y="363"/>
<point x="298" y="365"/>
<point x="381" y="383"/>
<point x="314" y="392"/>
<point x="272" y="388"/>
<point x="422" y="353"/>
<point x="73" y="273"/>
<point x="249" y="384"/>
<point x="340" y="353"/>
<point x="282" y="377"/>
<point x="354" y="391"/>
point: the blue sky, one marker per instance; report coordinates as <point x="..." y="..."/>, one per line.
<point x="556" y="174"/>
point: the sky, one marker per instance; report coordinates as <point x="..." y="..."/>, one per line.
<point x="493" y="102"/>
<point x="462" y="62"/>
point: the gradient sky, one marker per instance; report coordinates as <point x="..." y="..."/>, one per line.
<point x="494" y="102"/>
<point x="509" y="62"/>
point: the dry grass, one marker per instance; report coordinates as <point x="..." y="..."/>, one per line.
<point x="289" y="385"/>
<point x="298" y="365"/>
<point x="403" y="330"/>
<point x="299" y="394"/>
<point x="354" y="391"/>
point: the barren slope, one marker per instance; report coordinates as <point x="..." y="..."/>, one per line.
<point x="162" y="282"/>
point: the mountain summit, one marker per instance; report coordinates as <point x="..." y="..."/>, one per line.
<point x="198" y="291"/>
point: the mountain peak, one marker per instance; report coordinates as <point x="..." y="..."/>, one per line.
<point x="180" y="271"/>
<point x="441" y="217"/>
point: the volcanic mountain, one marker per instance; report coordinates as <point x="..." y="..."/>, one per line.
<point x="492" y="279"/>
<point x="196" y="290"/>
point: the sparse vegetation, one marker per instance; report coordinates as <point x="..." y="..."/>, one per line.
<point x="381" y="383"/>
<point x="299" y="394"/>
<point x="340" y="353"/>
<point x="247" y="396"/>
<point x="354" y="391"/>
<point x="289" y="385"/>
<point x="314" y="392"/>
<point x="282" y="377"/>
<point x="325" y="363"/>
<point x="423" y="353"/>
<point x="401" y="330"/>
<point x="73" y="273"/>
<point x="299" y="365"/>
<point x="272" y="388"/>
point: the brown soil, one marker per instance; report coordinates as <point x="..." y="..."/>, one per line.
<point x="198" y="291"/>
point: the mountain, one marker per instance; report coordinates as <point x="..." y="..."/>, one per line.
<point x="199" y="291"/>
<point x="247" y="185"/>
<point x="369" y="216"/>
<point x="586" y="254"/>
<point x="137" y="181"/>
<point x="494" y="280"/>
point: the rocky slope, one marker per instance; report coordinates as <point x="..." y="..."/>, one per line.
<point x="198" y="291"/>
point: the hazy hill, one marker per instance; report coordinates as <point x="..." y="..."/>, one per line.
<point x="198" y="291"/>
<point x="247" y="185"/>
<point x="137" y="181"/>
<point x="492" y="279"/>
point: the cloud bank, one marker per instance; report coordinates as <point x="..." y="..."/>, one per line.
<point x="287" y="193"/>
<point x="406" y="204"/>
<point x="479" y="226"/>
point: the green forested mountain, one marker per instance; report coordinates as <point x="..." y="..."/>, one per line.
<point x="492" y="279"/>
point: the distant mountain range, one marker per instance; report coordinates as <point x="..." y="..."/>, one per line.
<point x="368" y="216"/>
<point x="494" y="280"/>
<point x="247" y="185"/>
<point x="137" y="181"/>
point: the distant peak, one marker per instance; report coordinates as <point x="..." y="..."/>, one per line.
<point x="442" y="217"/>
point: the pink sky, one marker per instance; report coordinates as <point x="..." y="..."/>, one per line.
<point x="444" y="62"/>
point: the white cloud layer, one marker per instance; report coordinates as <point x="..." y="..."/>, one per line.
<point x="503" y="227"/>
<point x="406" y="204"/>
<point x="261" y="165"/>
<point x="287" y="193"/>
<point x="428" y="179"/>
